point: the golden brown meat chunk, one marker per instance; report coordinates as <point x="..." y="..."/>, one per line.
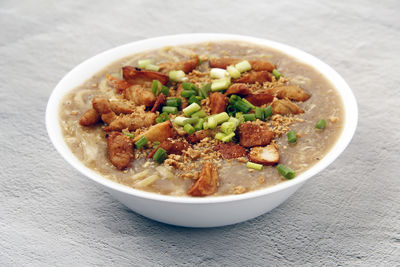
<point x="120" y="150"/>
<point x="103" y="106"/>
<point x="171" y="147"/>
<point x="119" y="84"/>
<point x="122" y="106"/>
<point x="254" y="77"/>
<point x="187" y="66"/>
<point x="285" y="107"/>
<point x="230" y="150"/>
<point x="254" y="134"/>
<point x="257" y="65"/>
<point x="260" y="99"/>
<point x="160" y="101"/>
<point x="292" y="92"/>
<point x="198" y="136"/>
<point x="140" y="95"/>
<point x="90" y="117"/>
<point x="268" y="155"/>
<point x="218" y="102"/>
<point x="159" y="132"/>
<point x="238" y="89"/>
<point x="132" y="121"/>
<point x="138" y="76"/>
<point x="207" y="183"/>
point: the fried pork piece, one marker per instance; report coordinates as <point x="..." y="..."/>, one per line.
<point x="254" y="134"/>
<point x="119" y="84"/>
<point x="160" y="101"/>
<point x="198" y="136"/>
<point x="140" y="95"/>
<point x="159" y="132"/>
<point x="238" y="89"/>
<point x="257" y="65"/>
<point x="260" y="99"/>
<point x="207" y="183"/>
<point x="171" y="146"/>
<point x="187" y="66"/>
<point x="218" y="102"/>
<point x="230" y="150"/>
<point x="183" y="99"/>
<point x="120" y="150"/>
<point x="122" y="106"/>
<point x="254" y="76"/>
<point x="292" y="92"/>
<point x="267" y="155"/>
<point x="103" y="106"/>
<point x="90" y="117"/>
<point x="132" y="121"/>
<point x="285" y="107"/>
<point x="138" y="76"/>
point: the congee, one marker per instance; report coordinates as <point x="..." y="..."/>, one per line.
<point x="206" y="119"/>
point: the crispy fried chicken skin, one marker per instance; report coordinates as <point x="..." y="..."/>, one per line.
<point x="171" y="147"/>
<point x="254" y="77"/>
<point x="260" y="99"/>
<point x="218" y="103"/>
<point x="140" y="95"/>
<point x="103" y="107"/>
<point x="254" y="134"/>
<point x="131" y="121"/>
<point x="138" y="76"/>
<point x="119" y="84"/>
<point x="207" y="183"/>
<point x="158" y="132"/>
<point x="291" y="92"/>
<point x="187" y="66"/>
<point x="238" y="89"/>
<point x="285" y="107"/>
<point x="230" y="150"/>
<point x="89" y="118"/>
<point x="120" y="150"/>
<point x="122" y="106"/>
<point x="198" y="136"/>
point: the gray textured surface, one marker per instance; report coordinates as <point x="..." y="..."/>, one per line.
<point x="51" y="215"/>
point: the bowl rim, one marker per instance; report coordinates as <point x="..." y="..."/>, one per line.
<point x="82" y="72"/>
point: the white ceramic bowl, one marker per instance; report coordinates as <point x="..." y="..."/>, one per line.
<point x="187" y="211"/>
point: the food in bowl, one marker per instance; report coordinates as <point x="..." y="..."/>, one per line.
<point x="206" y="119"/>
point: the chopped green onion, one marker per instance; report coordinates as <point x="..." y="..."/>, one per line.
<point x="233" y="72"/>
<point x="321" y="124"/>
<point x="160" y="155"/>
<point x="253" y="165"/>
<point x="259" y="113"/>
<point x="189" y="129"/>
<point x="205" y="125"/>
<point x="156" y="144"/>
<point x="199" y="114"/>
<point x="249" y="117"/>
<point x="228" y="127"/>
<point x="199" y="125"/>
<point x="130" y="135"/>
<point x="228" y="137"/>
<point x="243" y="66"/>
<point x="221" y="117"/>
<point x="211" y="123"/>
<point x="152" y="67"/>
<point x="174" y="102"/>
<point x="141" y="142"/>
<point x="291" y="136"/>
<point x="162" y="117"/>
<point x="164" y="90"/>
<point x="192" y="108"/>
<point x="234" y="98"/>
<point x="286" y="172"/>
<point x="179" y="120"/>
<point x="191" y="121"/>
<point x="239" y="116"/>
<point x="194" y="99"/>
<point x="231" y="110"/>
<point x="189" y="86"/>
<point x="156" y="87"/>
<point x="217" y="73"/>
<point x="248" y="103"/>
<point x="235" y="121"/>
<point x="177" y="75"/>
<point x="220" y="84"/>
<point x="143" y="63"/>
<point x="277" y="74"/>
<point x="268" y="112"/>
<point x="242" y="106"/>
<point x="220" y="136"/>
<point x="204" y="90"/>
<point x="170" y="110"/>
<point x="188" y="93"/>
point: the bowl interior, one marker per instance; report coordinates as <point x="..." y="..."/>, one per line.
<point x="86" y="69"/>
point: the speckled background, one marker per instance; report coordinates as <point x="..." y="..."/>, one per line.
<point x="50" y="215"/>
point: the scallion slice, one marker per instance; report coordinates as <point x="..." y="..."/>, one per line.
<point x="156" y="87"/>
<point x="217" y="73"/>
<point x="164" y="90"/>
<point x="253" y="165"/>
<point x="211" y="123"/>
<point x="160" y="155"/>
<point x="228" y="137"/>
<point x="199" y="114"/>
<point x="242" y="106"/>
<point x="259" y="112"/>
<point x="143" y="63"/>
<point x="268" y="112"/>
<point x="141" y="142"/>
<point x="221" y="117"/>
<point x="192" y="108"/>
<point x="189" y="129"/>
<point x="194" y="99"/>
<point x="190" y="121"/>
<point x="170" y="110"/>
<point x="177" y="75"/>
<point x="130" y="135"/>
<point x="243" y="66"/>
<point x="179" y="120"/>
<point x="204" y="90"/>
<point x="189" y="86"/>
<point x="235" y="121"/>
<point x="291" y="136"/>
<point x="220" y="84"/>
<point x="174" y="102"/>
<point x="249" y="117"/>
<point x="228" y="127"/>
<point x="199" y="125"/>
<point x="188" y="93"/>
<point x="152" y="67"/>
<point x="286" y="172"/>
<point x="277" y="74"/>
<point x="321" y="124"/>
<point x="233" y="72"/>
<point x="219" y="136"/>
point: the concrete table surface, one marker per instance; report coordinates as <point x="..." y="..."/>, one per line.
<point x="50" y="215"/>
